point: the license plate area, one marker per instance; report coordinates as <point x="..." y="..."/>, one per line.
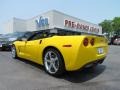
<point x="100" y="50"/>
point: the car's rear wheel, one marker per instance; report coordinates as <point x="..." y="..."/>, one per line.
<point x="53" y="62"/>
<point x="14" y="52"/>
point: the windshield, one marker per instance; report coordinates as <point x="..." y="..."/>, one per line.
<point x="16" y="34"/>
<point x="11" y="36"/>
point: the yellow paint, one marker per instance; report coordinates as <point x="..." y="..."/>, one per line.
<point x="74" y="57"/>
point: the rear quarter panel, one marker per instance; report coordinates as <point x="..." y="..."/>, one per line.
<point x="78" y="55"/>
<point x="69" y="53"/>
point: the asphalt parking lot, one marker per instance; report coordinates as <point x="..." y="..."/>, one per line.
<point x="25" y="75"/>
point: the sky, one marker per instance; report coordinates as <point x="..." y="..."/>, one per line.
<point x="94" y="11"/>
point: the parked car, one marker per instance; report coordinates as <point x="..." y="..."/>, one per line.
<point x="62" y="53"/>
<point x="116" y="41"/>
<point x="7" y="39"/>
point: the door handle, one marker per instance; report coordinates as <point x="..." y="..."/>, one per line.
<point x="40" y="42"/>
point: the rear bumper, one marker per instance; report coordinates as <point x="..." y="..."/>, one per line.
<point x="85" y="65"/>
<point x="86" y="57"/>
<point x="99" y="61"/>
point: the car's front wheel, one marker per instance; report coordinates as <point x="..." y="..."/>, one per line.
<point x="53" y="62"/>
<point x="14" y="52"/>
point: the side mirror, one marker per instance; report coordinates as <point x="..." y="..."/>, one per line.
<point x="24" y="39"/>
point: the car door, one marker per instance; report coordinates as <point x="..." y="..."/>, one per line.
<point x="33" y="47"/>
<point x="21" y="48"/>
<point x="22" y="43"/>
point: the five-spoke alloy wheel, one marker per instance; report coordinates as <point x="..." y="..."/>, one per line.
<point x="53" y="62"/>
<point x="13" y="51"/>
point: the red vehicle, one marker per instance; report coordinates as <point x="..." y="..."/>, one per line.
<point x="117" y="41"/>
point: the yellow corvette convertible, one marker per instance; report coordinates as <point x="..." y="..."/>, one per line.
<point x="61" y="53"/>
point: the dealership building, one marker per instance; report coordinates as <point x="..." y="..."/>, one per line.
<point x="51" y="20"/>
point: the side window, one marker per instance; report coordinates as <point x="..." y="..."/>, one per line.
<point x="38" y="36"/>
<point x="27" y="35"/>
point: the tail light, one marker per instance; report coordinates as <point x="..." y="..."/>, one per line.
<point x="92" y="42"/>
<point x="85" y="42"/>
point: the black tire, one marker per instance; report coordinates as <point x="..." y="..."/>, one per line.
<point x="14" y="52"/>
<point x="53" y="62"/>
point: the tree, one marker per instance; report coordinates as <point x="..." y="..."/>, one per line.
<point x="106" y="26"/>
<point x="116" y="25"/>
